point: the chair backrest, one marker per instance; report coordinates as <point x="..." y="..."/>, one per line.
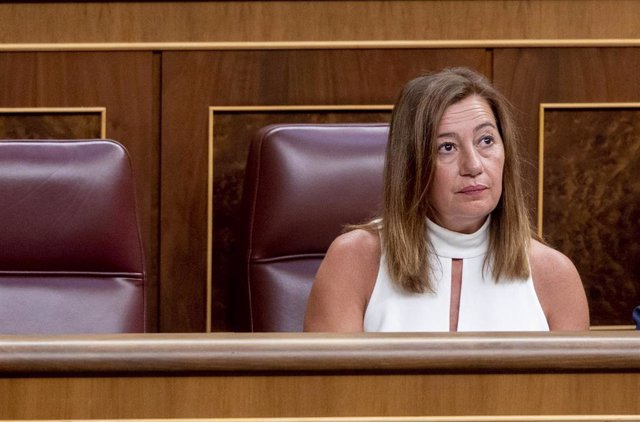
<point x="71" y="258"/>
<point x="303" y="184"/>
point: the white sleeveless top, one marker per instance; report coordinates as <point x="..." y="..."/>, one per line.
<point x="509" y="305"/>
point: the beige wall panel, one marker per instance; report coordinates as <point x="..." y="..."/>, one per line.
<point x="529" y="77"/>
<point x="72" y="22"/>
<point x="194" y="81"/>
<point x="122" y="83"/>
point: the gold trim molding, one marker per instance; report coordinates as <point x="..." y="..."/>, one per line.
<point x="320" y="45"/>
<point x="514" y="418"/>
<point x="612" y="328"/>
<point x="54" y="110"/>
<point x="252" y="109"/>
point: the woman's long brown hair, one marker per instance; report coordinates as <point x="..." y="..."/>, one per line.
<point x="408" y="175"/>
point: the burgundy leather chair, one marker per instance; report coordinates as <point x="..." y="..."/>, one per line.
<point x="71" y="258"/>
<point x="303" y="184"/>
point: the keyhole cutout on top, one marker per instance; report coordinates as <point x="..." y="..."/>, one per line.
<point x="456" y="286"/>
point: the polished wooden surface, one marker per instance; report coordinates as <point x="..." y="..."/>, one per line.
<point x="320" y="353"/>
<point x="532" y="76"/>
<point x="294" y="375"/>
<point x="319" y="396"/>
<point x="592" y="212"/>
<point x="68" y="22"/>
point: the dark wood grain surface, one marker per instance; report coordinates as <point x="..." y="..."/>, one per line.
<point x="591" y="199"/>
<point x="48" y="125"/>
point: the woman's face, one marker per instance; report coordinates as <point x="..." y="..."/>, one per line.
<point x="468" y="166"/>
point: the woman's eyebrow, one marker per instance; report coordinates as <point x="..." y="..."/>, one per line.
<point x="447" y="135"/>
<point x="483" y="125"/>
<point x="475" y="129"/>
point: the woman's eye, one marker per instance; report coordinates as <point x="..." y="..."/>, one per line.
<point x="446" y="147"/>
<point x="486" y="140"/>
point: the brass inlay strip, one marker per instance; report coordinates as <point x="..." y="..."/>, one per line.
<point x="301" y="108"/>
<point x="253" y="109"/>
<point x="317" y="45"/>
<point x="69" y="110"/>
<point x="612" y="327"/>
<point x="513" y="418"/>
<point x="588" y="105"/>
<point x="540" y="167"/>
<point x="209" y="287"/>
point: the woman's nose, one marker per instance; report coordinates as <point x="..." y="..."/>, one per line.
<point x="471" y="163"/>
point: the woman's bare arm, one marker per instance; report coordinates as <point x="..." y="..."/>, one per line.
<point x="344" y="283"/>
<point x="559" y="289"/>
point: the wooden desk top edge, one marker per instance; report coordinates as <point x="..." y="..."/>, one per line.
<point x="158" y="354"/>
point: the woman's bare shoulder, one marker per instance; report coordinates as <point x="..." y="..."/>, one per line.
<point x="559" y="288"/>
<point x="353" y="259"/>
<point x="344" y="283"/>
<point x="549" y="260"/>
<point x="359" y="242"/>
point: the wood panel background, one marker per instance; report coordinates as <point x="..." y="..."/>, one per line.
<point x="362" y="395"/>
<point x="206" y="21"/>
<point x="185" y="57"/>
<point x="591" y="200"/>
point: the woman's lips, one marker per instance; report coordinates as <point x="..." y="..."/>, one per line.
<point x="473" y="189"/>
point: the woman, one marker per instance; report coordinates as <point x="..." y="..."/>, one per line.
<point x="453" y="249"/>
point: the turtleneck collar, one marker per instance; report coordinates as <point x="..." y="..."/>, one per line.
<point x="450" y="244"/>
